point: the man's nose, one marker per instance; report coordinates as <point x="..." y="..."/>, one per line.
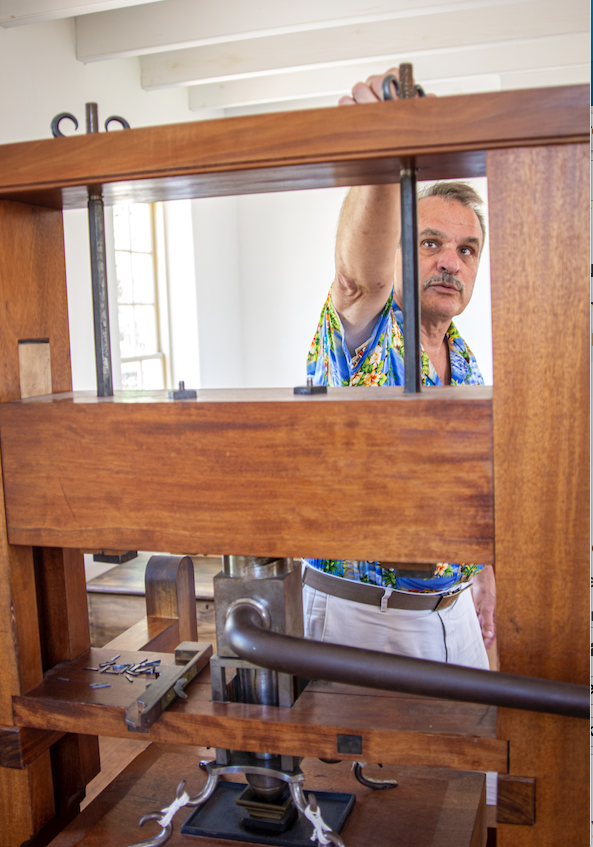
<point x="449" y="260"/>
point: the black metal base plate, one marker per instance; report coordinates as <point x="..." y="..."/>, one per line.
<point x="220" y="817"/>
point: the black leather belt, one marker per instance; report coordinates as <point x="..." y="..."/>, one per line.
<point x="374" y="595"/>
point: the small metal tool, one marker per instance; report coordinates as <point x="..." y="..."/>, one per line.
<point x="309" y="388"/>
<point x="183" y="393"/>
<point x="144" y="711"/>
<point x="371" y="782"/>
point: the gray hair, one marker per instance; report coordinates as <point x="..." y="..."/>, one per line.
<point x="463" y="193"/>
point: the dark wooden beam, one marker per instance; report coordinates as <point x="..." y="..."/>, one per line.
<point x="307" y="149"/>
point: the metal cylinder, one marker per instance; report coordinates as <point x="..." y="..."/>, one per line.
<point x="91" y="111"/>
<point x="406" y="81"/>
<point x="100" y="297"/>
<point x="410" y="277"/>
<point x="255" y="567"/>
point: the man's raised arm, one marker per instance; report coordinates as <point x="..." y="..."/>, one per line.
<point x="366" y="245"/>
<point x="367" y="241"/>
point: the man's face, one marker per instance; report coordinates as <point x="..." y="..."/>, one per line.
<point x="450" y="240"/>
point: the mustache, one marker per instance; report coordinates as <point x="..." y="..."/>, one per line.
<point x="449" y="279"/>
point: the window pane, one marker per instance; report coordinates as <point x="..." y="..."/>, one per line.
<point x="127" y="332"/>
<point x="143" y="275"/>
<point x="121" y="227"/>
<point x="140" y="228"/>
<point x="131" y="378"/>
<point x="153" y="377"/>
<point x="123" y="273"/>
<point x="146" y="334"/>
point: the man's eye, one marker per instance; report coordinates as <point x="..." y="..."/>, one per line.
<point x="429" y="243"/>
<point x="467" y="251"/>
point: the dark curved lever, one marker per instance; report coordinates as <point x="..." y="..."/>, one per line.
<point x="122" y="121"/>
<point x="246" y="635"/>
<point x="55" y="124"/>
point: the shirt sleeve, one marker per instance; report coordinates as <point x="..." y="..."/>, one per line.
<point x="329" y="361"/>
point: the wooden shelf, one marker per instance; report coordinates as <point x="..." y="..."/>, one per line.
<point x="394" y="728"/>
<point x="429" y="808"/>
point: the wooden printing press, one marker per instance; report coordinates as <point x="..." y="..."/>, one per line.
<point x="153" y="473"/>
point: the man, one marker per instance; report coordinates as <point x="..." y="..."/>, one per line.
<point x="359" y="341"/>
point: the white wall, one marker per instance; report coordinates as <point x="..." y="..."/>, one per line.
<point x="264" y="266"/>
<point x="219" y="292"/>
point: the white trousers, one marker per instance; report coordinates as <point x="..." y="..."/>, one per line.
<point x="452" y="635"/>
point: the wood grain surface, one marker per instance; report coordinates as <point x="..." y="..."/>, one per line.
<point x="253" y="478"/>
<point x="539" y="212"/>
<point x="429" y="808"/>
<point x="157" y="163"/>
<point x="20" y="746"/>
<point x="396" y="729"/>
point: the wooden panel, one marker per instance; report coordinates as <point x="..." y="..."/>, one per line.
<point x="33" y="291"/>
<point x="171" y="592"/>
<point x="516" y="800"/>
<point x="539" y="212"/>
<point x="416" y="731"/>
<point x="61" y="603"/>
<point x="433" y="808"/>
<point x="20" y="746"/>
<point x="33" y="287"/>
<point x="433" y="127"/>
<point x="26" y="803"/>
<point x="34" y="368"/>
<point x="256" y="478"/>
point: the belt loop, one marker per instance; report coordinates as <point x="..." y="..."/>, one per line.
<point x="387" y="592"/>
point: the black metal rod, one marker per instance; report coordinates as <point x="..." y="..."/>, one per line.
<point x="410" y="277"/>
<point x="100" y="298"/>
<point x="371" y="669"/>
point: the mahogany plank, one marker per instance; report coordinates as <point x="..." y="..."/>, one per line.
<point x="434" y="808"/>
<point x="242" y="476"/>
<point x="33" y="291"/>
<point x="306" y="141"/>
<point x="416" y="731"/>
<point x="61" y="603"/>
<point x="27" y="803"/>
<point x="539" y="208"/>
<point x="171" y="592"/>
<point x="20" y="746"/>
<point x="516" y="800"/>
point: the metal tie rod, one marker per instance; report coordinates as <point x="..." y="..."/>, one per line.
<point x="246" y="633"/>
<point x="406" y="89"/>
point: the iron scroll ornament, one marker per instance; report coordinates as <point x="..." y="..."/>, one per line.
<point x="57" y="133"/>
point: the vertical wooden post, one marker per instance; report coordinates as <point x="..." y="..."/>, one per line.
<point x="43" y="612"/>
<point x="539" y="212"/>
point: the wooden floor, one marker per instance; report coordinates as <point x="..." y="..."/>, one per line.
<point x="116" y="598"/>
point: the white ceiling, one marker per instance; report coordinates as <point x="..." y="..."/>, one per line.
<point x="262" y="55"/>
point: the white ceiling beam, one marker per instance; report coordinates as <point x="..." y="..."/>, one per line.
<point x="486" y="61"/>
<point x="441" y="87"/>
<point x="544" y="77"/>
<point x="346" y="44"/>
<point x="541" y="78"/>
<point x="179" y="24"/>
<point x="21" y="12"/>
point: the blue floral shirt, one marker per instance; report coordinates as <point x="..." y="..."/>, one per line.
<point x="380" y="361"/>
